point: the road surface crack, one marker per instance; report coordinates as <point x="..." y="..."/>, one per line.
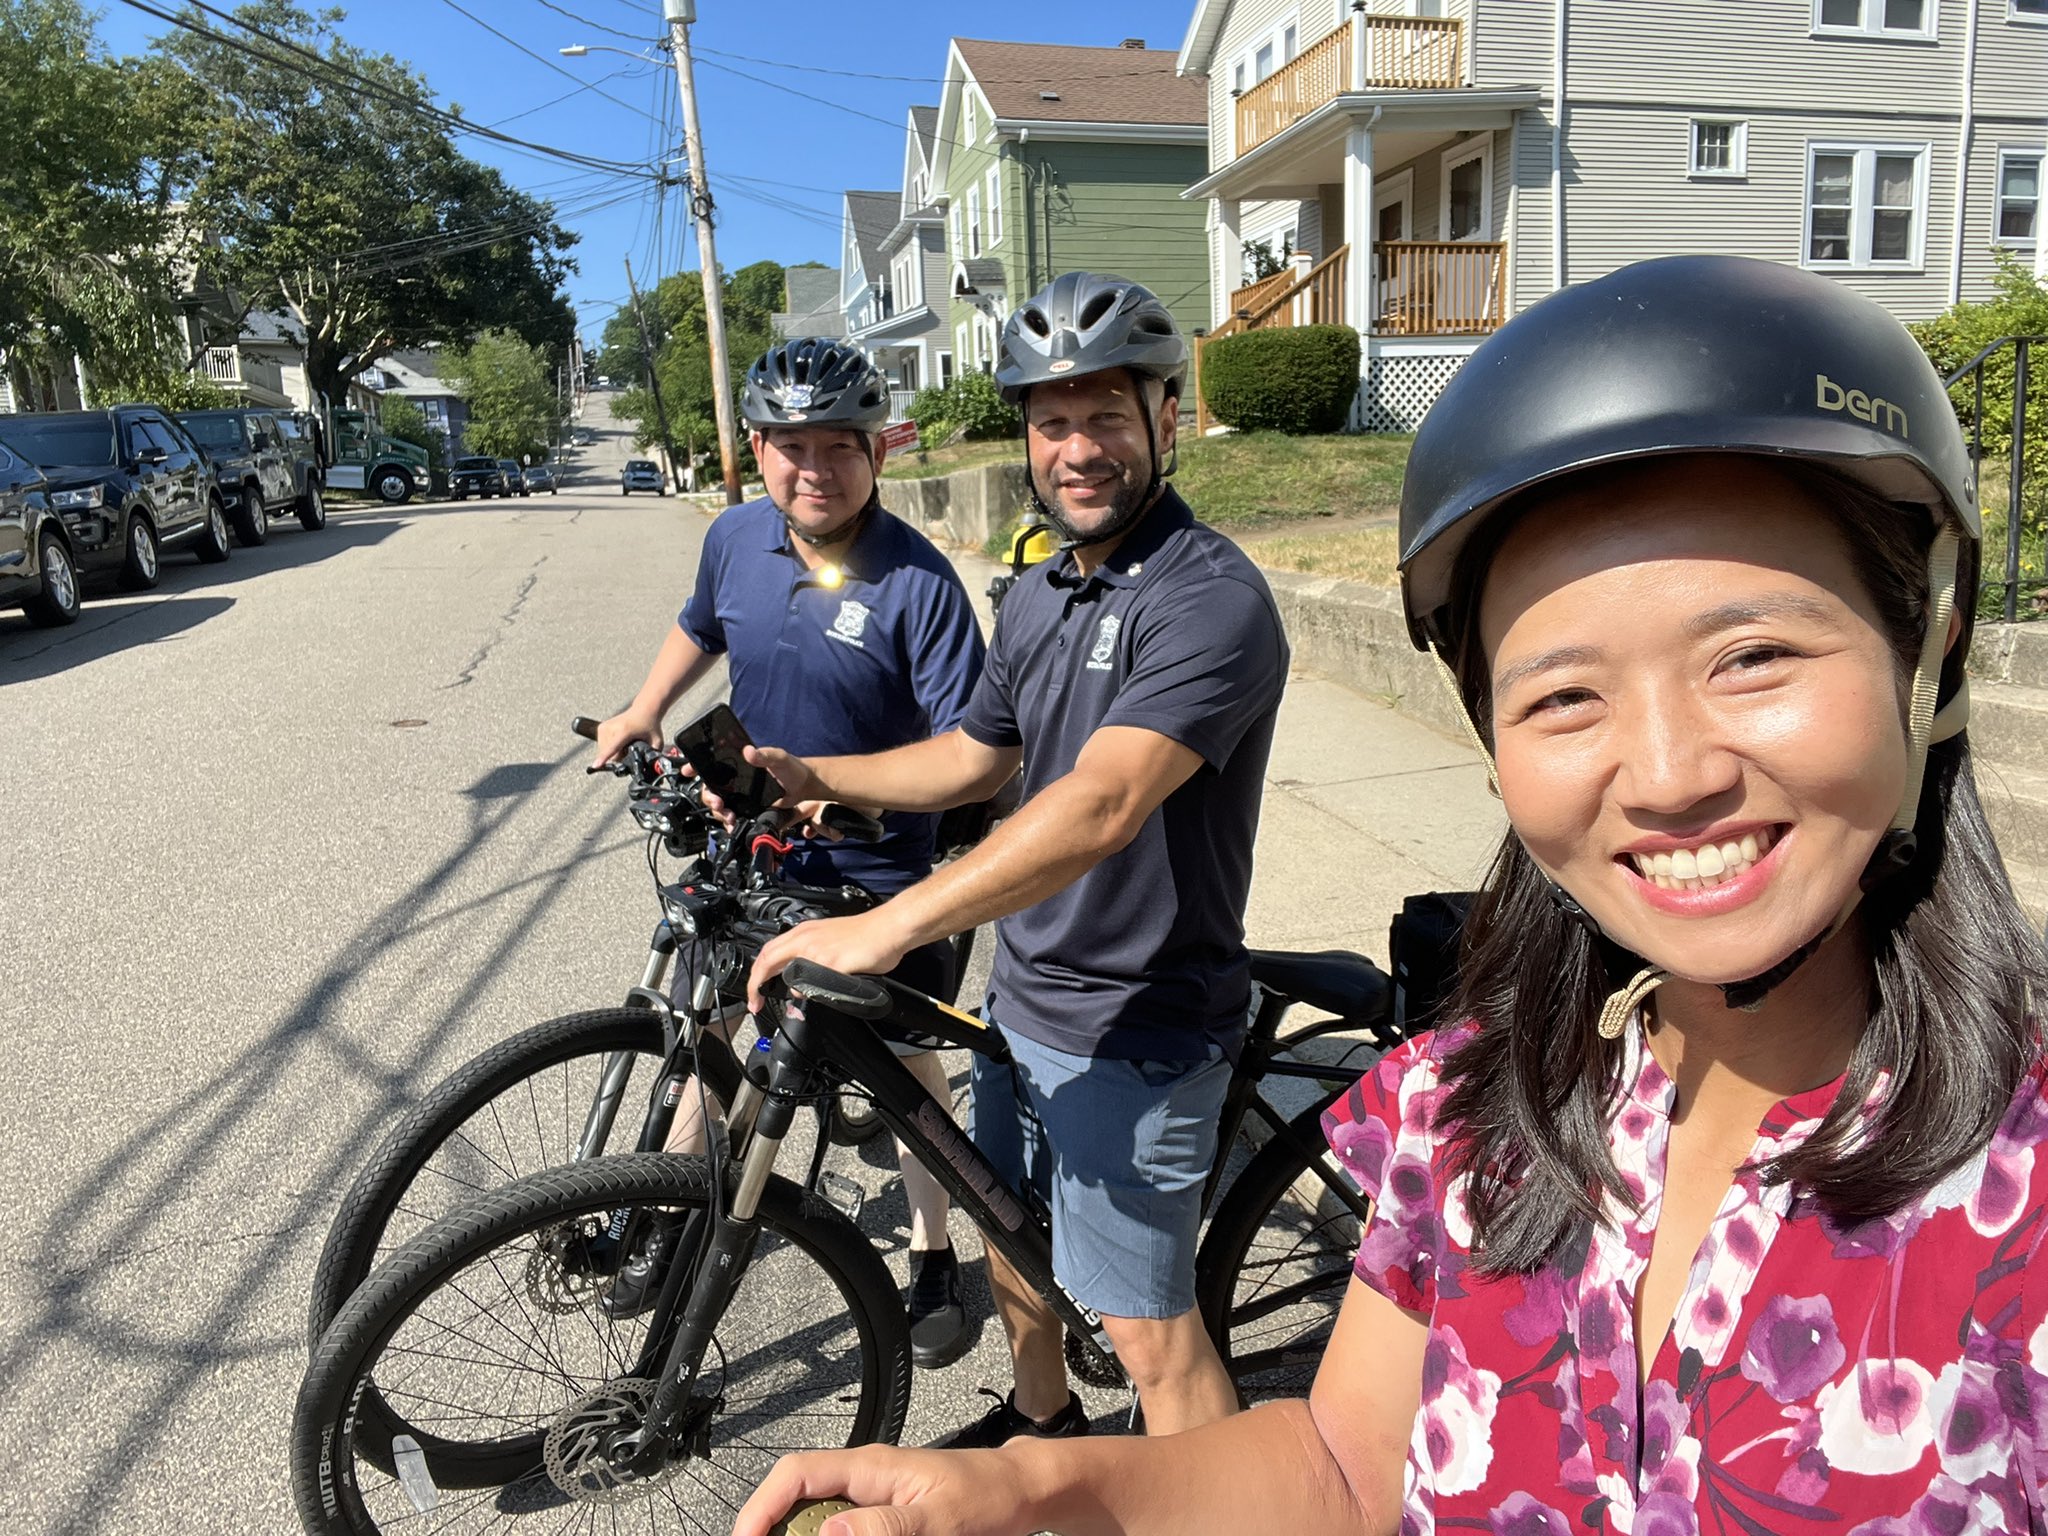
<point x="505" y="621"/>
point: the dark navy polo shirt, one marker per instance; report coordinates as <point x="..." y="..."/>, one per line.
<point x="1143" y="957"/>
<point x="887" y="657"/>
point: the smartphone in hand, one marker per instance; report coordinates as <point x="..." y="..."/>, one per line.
<point x="715" y="746"/>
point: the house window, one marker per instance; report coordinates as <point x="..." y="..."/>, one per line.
<point x="995" y="204"/>
<point x="2019" y="198"/>
<point x="968" y="127"/>
<point x="1265" y="55"/>
<point x="1467" y="195"/>
<point x="945" y="369"/>
<point x="961" y="345"/>
<point x="2028" y="10"/>
<point x="958" y="248"/>
<point x="1864" y="204"/>
<point x="1719" y="147"/>
<point x="974" y="220"/>
<point x="1875" y="18"/>
<point x="431" y="409"/>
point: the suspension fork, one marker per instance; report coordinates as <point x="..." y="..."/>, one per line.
<point x="618" y="1067"/>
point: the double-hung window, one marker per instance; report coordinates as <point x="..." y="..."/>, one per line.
<point x="2019" y="198"/>
<point x="1266" y="54"/>
<point x="1866" y="205"/>
<point x="995" y="204"/>
<point x="974" y="220"/>
<point x="1875" y="18"/>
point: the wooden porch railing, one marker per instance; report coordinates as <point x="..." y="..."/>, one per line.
<point x="1406" y="53"/>
<point x="1316" y="297"/>
<point x="1253" y="296"/>
<point x="1439" y="287"/>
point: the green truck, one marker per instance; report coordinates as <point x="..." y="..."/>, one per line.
<point x="367" y="459"/>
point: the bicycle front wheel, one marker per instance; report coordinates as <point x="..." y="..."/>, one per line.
<point x="1274" y="1266"/>
<point x="489" y="1338"/>
<point x="518" y="1108"/>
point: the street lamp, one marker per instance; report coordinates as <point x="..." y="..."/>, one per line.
<point x="577" y="50"/>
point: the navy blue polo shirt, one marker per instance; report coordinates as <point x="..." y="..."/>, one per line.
<point x="887" y="657"/>
<point x="1143" y="957"/>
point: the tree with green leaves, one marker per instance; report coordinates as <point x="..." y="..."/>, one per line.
<point x="676" y="321"/>
<point x="514" y="412"/>
<point x="348" y="206"/>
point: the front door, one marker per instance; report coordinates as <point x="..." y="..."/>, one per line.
<point x="1393" y="225"/>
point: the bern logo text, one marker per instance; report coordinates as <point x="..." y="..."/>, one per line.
<point x="1830" y="396"/>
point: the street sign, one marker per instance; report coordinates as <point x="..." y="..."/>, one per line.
<point x="902" y="435"/>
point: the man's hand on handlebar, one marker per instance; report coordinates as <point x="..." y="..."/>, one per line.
<point x="904" y="1492"/>
<point x="866" y="944"/>
<point x="621" y="731"/>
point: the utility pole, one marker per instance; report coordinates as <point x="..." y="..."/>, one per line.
<point x="680" y="14"/>
<point x="653" y="375"/>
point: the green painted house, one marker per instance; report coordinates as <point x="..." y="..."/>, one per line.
<point x="1050" y="158"/>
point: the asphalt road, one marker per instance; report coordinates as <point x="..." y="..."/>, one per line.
<point x="289" y="838"/>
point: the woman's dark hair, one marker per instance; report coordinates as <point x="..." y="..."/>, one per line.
<point x="1953" y="962"/>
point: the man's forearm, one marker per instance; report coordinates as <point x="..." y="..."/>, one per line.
<point x="933" y="775"/>
<point x="1265" y="1470"/>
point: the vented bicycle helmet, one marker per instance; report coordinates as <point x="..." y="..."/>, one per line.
<point x="1700" y="355"/>
<point x="814" y="381"/>
<point x="1086" y="322"/>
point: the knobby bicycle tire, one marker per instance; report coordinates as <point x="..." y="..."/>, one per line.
<point x="1275" y="1263"/>
<point x="546" y="1358"/>
<point x="361" y="1234"/>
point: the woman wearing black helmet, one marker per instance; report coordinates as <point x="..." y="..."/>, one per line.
<point x="1721" y="1210"/>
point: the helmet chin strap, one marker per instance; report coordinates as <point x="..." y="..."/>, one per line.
<point x="1895" y="849"/>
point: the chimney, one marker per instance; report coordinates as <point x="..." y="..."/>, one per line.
<point x="1132" y="42"/>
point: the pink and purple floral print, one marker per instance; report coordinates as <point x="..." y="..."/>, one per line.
<point x="1885" y="1379"/>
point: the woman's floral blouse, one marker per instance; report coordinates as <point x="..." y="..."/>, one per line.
<point x="1874" y="1380"/>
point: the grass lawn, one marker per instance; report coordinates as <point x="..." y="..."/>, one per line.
<point x="1365" y="554"/>
<point x="1248" y="478"/>
<point x="909" y="464"/>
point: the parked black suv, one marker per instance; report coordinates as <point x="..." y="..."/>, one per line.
<point x="250" y="468"/>
<point x="38" y="572"/>
<point x="476" y="477"/>
<point x="129" y="483"/>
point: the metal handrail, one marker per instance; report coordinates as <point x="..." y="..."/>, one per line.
<point x="2015" y="503"/>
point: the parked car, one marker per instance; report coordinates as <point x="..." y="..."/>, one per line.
<point x="515" y="480"/>
<point x="38" y="571"/>
<point x="641" y="475"/>
<point x="476" y="477"/>
<point x="300" y="439"/>
<point x="255" y="477"/>
<point x="129" y="483"/>
<point x="541" y="477"/>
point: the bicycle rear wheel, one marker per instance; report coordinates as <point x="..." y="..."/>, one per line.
<point x="1274" y="1266"/>
<point x="488" y="1338"/>
<point x="516" y="1109"/>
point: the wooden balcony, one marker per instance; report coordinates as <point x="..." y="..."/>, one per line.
<point x="1439" y="287"/>
<point x="1401" y="53"/>
<point x="233" y="368"/>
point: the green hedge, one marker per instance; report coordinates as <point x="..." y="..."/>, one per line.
<point x="971" y="404"/>
<point x="1301" y="380"/>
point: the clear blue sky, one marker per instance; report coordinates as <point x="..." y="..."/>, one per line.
<point x="801" y="138"/>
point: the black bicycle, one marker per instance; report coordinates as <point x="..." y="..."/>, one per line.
<point x="502" y="1384"/>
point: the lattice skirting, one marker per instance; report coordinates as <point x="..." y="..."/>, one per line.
<point x="1399" y="388"/>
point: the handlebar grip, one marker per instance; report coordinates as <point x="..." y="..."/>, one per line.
<point x="857" y="826"/>
<point x="584" y="726"/>
<point x="862" y="997"/>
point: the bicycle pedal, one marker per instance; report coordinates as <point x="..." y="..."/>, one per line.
<point x="842" y="1194"/>
<point x="410" y="1462"/>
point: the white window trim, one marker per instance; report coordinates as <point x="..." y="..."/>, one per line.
<point x="2038" y="154"/>
<point x="962" y="346"/>
<point x="970" y="128"/>
<point x="1738" y="149"/>
<point x="1873" y="24"/>
<point x="975" y="245"/>
<point x="1274" y="35"/>
<point x="2021" y="18"/>
<point x="1480" y="148"/>
<point x="1866" y="151"/>
<point x="959" y="251"/>
<point x="993" y="196"/>
<point x="1398" y="188"/>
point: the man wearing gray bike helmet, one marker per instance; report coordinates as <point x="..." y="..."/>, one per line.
<point x="1136" y="679"/>
<point x="846" y="631"/>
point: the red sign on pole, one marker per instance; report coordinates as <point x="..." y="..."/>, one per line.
<point x="902" y="435"/>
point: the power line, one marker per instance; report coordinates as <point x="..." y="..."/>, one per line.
<point x="984" y="80"/>
<point x="540" y="58"/>
<point x="555" y="101"/>
<point x="326" y="72"/>
<point x="596" y="26"/>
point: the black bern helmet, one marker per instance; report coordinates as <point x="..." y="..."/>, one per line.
<point x="1685" y="354"/>
<point x="814" y="381"/>
<point x="1087" y="322"/>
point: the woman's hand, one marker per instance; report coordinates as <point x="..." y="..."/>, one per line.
<point x="902" y="1493"/>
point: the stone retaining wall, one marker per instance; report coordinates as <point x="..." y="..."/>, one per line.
<point x="970" y="507"/>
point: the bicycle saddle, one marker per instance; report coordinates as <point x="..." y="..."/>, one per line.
<point x="1334" y="980"/>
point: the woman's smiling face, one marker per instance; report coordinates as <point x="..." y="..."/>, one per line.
<point x="1696" y="710"/>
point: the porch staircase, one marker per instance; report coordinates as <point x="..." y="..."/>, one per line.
<point x="2009" y="747"/>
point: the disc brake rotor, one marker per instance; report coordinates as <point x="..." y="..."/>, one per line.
<point x="575" y="1448"/>
<point x="557" y="1282"/>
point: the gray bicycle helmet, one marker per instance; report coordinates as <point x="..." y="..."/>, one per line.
<point x="1691" y="355"/>
<point x="814" y="381"/>
<point x="1086" y="322"/>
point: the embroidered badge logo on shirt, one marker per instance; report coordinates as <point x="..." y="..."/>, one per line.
<point x="1105" y="642"/>
<point x="851" y="623"/>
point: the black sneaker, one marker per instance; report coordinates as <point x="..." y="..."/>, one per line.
<point x="938" y="1322"/>
<point x="637" y="1286"/>
<point x="1003" y="1423"/>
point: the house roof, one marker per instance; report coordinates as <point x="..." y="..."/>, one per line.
<point x="813" y="298"/>
<point x="978" y="274"/>
<point x="1086" y="85"/>
<point x="1198" y="48"/>
<point x="267" y="325"/>
<point x="924" y="123"/>
<point x="874" y="215"/>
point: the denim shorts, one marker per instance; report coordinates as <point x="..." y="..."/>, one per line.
<point x="1118" y="1152"/>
